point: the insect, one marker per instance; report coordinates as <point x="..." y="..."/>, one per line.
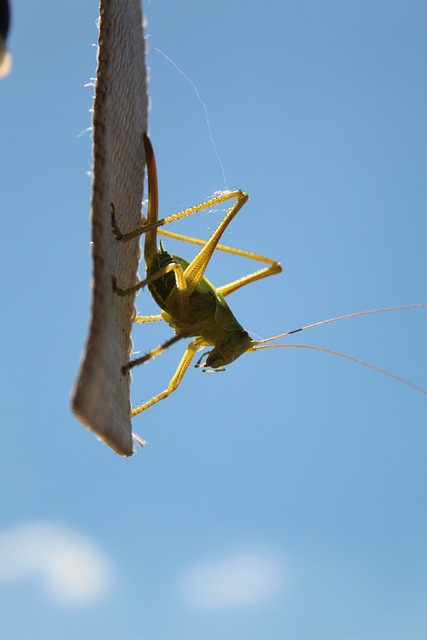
<point x="192" y="305"/>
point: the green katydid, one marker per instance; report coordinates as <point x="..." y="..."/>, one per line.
<point x="192" y="305"/>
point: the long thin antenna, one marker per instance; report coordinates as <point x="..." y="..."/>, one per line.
<point x="404" y="307"/>
<point x="342" y="355"/>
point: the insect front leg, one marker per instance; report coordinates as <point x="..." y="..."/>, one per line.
<point x="175" y="381"/>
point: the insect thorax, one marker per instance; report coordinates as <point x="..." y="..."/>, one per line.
<point x="208" y="312"/>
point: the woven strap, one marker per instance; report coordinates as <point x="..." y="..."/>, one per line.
<point x="101" y="398"/>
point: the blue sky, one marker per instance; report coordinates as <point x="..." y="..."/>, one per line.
<point x="284" y="498"/>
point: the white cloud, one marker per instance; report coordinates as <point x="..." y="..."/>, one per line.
<point x="69" y="567"/>
<point x="246" y="578"/>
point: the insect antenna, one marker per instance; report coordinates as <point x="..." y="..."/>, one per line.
<point x="404" y="307"/>
<point x="343" y="355"/>
<point x="263" y="344"/>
